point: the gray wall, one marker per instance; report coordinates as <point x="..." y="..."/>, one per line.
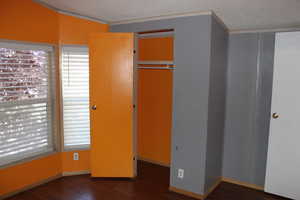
<point x="216" y="106"/>
<point x="249" y="86"/>
<point x="198" y="107"/>
<point x="191" y="93"/>
<point x="263" y="107"/>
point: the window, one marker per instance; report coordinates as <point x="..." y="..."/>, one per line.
<point x="25" y="101"/>
<point x="75" y="85"/>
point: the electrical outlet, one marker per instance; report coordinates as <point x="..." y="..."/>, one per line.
<point x="180" y="173"/>
<point x="75" y="156"/>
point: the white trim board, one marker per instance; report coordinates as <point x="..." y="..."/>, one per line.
<point x="275" y="30"/>
<point x="218" y="19"/>
<point x="26" y="46"/>
<point x="42" y="182"/>
<point x="210" y="12"/>
<point x="171" y="16"/>
<point x="70" y="13"/>
<point x="156" y="35"/>
<point x="75" y="173"/>
<point x="153" y="161"/>
<point x="30" y="186"/>
<point x="129" y="21"/>
<point x="75" y="48"/>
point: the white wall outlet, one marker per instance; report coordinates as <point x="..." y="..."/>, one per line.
<point x="180" y="173"/>
<point x="75" y="156"/>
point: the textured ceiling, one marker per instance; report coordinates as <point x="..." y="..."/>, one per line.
<point x="236" y="14"/>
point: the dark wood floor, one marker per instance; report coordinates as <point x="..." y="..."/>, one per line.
<point x="151" y="184"/>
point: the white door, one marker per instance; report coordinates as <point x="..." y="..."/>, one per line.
<point x="283" y="163"/>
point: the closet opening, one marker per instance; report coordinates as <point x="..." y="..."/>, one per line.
<point x="154" y="97"/>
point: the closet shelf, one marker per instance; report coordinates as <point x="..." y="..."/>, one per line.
<point x="156" y="35"/>
<point x="158" y="62"/>
<point x="155" y="68"/>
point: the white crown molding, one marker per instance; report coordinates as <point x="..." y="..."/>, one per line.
<point x="70" y="13"/>
<point x="264" y="30"/>
<point x="213" y="14"/>
<point x="210" y="12"/>
<point x="155" y="35"/>
<point x="82" y="17"/>
<point x="129" y="21"/>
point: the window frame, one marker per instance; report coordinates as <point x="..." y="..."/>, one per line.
<point x="61" y="50"/>
<point x="52" y="97"/>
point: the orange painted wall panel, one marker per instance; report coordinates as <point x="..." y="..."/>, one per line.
<point x="19" y="176"/>
<point x="73" y="30"/>
<point x="70" y="165"/>
<point x="155" y="115"/>
<point x="156" y="48"/>
<point x="27" y="21"/>
<point x="76" y="31"/>
<point x="155" y="102"/>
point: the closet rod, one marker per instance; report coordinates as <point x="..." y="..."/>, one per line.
<point x="165" y="68"/>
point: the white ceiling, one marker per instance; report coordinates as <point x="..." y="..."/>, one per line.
<point x="236" y="14"/>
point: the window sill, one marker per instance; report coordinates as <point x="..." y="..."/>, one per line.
<point x="25" y="160"/>
<point x="78" y="148"/>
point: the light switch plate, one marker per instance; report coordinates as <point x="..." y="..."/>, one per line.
<point x="75" y="156"/>
<point x="180" y="173"/>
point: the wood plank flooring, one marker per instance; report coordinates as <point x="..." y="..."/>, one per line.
<point x="151" y="184"/>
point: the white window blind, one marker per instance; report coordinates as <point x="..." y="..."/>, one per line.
<point x="25" y="102"/>
<point x="75" y="84"/>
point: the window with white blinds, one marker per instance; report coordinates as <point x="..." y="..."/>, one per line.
<point x="25" y="101"/>
<point x="75" y="87"/>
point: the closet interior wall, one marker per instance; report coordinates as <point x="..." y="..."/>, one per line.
<point x="154" y="97"/>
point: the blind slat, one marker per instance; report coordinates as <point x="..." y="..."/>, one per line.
<point x="25" y="109"/>
<point x="75" y="82"/>
<point x="24" y="142"/>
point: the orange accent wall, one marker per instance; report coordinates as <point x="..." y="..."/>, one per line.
<point x="156" y="48"/>
<point x="70" y="165"/>
<point x="76" y="31"/>
<point x="73" y="30"/>
<point x="155" y="115"/>
<point x="22" y="175"/>
<point x="27" y="21"/>
<point x="155" y="102"/>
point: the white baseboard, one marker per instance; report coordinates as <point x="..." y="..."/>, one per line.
<point x="153" y="161"/>
<point x="52" y="178"/>
<point x="76" y="173"/>
<point x="31" y="186"/>
<point x="248" y="185"/>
